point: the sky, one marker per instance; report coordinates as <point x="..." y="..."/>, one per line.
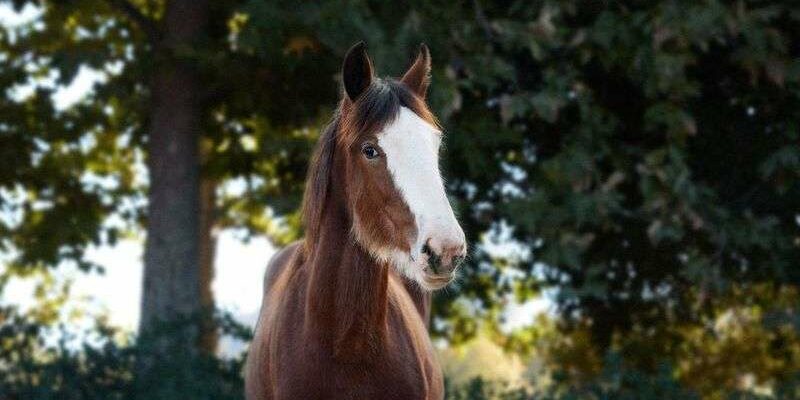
<point x="239" y="266"/>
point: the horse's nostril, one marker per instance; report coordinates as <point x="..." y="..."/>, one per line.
<point x="434" y="260"/>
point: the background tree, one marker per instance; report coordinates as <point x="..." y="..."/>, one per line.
<point x="639" y="160"/>
<point x="168" y="96"/>
<point x="645" y="154"/>
<point x="193" y="92"/>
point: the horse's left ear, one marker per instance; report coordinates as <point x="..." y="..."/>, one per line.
<point x="357" y="72"/>
<point x="418" y="77"/>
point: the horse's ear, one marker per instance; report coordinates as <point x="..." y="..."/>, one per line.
<point x="356" y="71"/>
<point x="418" y="77"/>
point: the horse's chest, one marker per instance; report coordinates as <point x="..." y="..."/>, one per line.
<point x="308" y="364"/>
<point x="403" y="367"/>
<point x="392" y="375"/>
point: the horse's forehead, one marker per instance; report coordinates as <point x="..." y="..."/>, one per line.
<point x="408" y="133"/>
<point x="408" y="121"/>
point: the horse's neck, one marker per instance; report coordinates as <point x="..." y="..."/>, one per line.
<point x="347" y="294"/>
<point x="421" y="299"/>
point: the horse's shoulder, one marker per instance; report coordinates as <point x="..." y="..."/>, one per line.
<point x="279" y="262"/>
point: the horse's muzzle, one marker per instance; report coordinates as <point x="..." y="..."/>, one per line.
<point x="440" y="269"/>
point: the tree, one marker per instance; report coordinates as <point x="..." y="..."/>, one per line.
<point x="158" y="59"/>
<point x="642" y="157"/>
<point x="173" y="275"/>
<point x="205" y="93"/>
<point x="645" y="154"/>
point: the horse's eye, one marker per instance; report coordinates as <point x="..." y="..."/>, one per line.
<point x="370" y="152"/>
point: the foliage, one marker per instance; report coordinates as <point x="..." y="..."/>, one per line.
<point x="102" y="365"/>
<point x="750" y="349"/>
<point x="481" y="389"/>
<point x="72" y="176"/>
<point x="483" y="358"/>
<point x="619" y="382"/>
<point x="750" y="343"/>
<point x="616" y="382"/>
<point x="642" y="155"/>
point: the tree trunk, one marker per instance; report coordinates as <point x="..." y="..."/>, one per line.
<point x="208" y="247"/>
<point x="173" y="280"/>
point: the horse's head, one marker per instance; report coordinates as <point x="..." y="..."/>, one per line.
<point x="383" y="152"/>
<point x="395" y="192"/>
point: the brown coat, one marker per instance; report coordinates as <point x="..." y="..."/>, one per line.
<point x="335" y="323"/>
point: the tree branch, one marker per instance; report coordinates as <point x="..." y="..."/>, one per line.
<point x="144" y="22"/>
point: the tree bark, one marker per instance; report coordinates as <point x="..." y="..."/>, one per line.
<point x="208" y="247"/>
<point x="173" y="280"/>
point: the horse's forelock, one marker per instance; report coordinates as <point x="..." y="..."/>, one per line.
<point x="377" y="107"/>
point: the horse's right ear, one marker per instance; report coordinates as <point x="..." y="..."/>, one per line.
<point x="356" y="71"/>
<point x="418" y="77"/>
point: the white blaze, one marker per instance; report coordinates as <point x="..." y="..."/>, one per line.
<point x="411" y="146"/>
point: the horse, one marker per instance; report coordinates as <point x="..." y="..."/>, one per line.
<point x="345" y="310"/>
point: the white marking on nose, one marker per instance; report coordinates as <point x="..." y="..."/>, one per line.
<point x="411" y="146"/>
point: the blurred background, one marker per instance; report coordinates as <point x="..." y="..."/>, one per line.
<point x="628" y="174"/>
